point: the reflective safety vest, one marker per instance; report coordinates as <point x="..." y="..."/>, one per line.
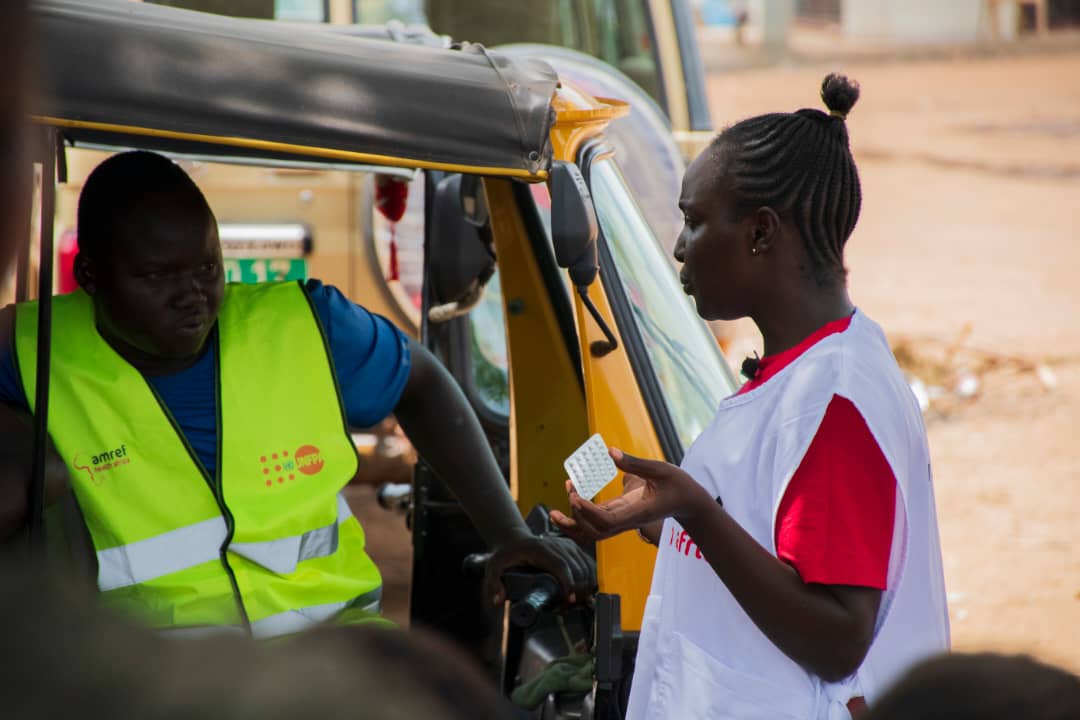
<point x="268" y="540"/>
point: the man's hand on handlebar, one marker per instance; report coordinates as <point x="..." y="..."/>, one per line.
<point x="558" y="556"/>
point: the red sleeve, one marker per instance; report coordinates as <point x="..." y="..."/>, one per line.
<point x="835" y="522"/>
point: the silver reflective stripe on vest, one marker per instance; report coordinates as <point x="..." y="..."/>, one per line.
<point x="282" y="556"/>
<point x="186" y="547"/>
<point x="292" y="621"/>
<point x="190" y="632"/>
<point x="155" y="557"/>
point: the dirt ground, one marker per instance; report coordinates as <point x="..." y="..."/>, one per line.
<point x="967" y="253"/>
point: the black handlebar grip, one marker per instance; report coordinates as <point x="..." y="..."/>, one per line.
<point x="530" y="592"/>
<point x="524" y="612"/>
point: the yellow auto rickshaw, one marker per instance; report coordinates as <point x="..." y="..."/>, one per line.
<point x="545" y="292"/>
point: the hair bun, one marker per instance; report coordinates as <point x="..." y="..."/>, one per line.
<point x="839" y="94"/>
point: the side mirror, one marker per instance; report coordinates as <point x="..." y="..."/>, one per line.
<point x="473" y="202"/>
<point x="573" y="223"/>
<point x="460" y="257"/>
<point x="574" y="231"/>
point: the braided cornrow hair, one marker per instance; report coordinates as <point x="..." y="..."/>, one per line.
<point x="800" y="165"/>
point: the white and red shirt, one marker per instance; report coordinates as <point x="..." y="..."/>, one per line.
<point x="835" y="521"/>
<point x="823" y="459"/>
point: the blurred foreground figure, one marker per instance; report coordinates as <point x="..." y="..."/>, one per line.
<point x="984" y="686"/>
<point x="63" y="657"/>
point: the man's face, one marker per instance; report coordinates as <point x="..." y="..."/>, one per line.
<point x="159" y="290"/>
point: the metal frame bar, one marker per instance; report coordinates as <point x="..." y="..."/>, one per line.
<point x="49" y="147"/>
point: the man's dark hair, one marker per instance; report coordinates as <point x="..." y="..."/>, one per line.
<point x="128" y="194"/>
<point x="800" y="165"/>
<point x="981" y="686"/>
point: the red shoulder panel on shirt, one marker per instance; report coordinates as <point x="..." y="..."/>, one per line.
<point x="835" y="521"/>
<point x="770" y="365"/>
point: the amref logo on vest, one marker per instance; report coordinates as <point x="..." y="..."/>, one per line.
<point x="102" y="462"/>
<point x="307" y="460"/>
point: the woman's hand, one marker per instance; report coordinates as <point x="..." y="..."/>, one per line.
<point x="652" y="491"/>
<point x="649" y="532"/>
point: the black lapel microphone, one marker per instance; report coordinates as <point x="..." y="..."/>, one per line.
<point x="751" y="366"/>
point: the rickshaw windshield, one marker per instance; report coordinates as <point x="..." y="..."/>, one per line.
<point x="681" y="352"/>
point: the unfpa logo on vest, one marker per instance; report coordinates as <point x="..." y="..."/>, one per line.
<point x="307" y="460"/>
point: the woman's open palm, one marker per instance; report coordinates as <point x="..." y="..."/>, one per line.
<point x="652" y="490"/>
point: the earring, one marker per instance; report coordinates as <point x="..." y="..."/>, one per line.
<point x="753" y="251"/>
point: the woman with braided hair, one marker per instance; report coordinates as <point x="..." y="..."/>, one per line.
<point x="799" y="568"/>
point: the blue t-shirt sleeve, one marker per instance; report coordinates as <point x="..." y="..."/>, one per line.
<point x="11" y="389"/>
<point x="371" y="356"/>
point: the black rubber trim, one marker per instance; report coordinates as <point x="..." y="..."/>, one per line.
<point x="633" y="343"/>
<point x="432" y="178"/>
<point x="697" y="104"/>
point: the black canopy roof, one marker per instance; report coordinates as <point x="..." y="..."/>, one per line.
<point x="132" y="74"/>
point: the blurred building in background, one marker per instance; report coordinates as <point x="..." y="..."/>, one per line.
<point x="894" y="21"/>
<point x="922" y="21"/>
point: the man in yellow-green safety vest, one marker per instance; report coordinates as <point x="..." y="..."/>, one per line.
<point x="204" y="427"/>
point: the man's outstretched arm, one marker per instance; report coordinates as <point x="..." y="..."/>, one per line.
<point x="442" y="426"/>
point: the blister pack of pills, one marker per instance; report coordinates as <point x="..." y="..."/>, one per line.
<point x="590" y="467"/>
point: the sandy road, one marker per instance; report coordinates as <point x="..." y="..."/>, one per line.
<point x="971" y="182"/>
